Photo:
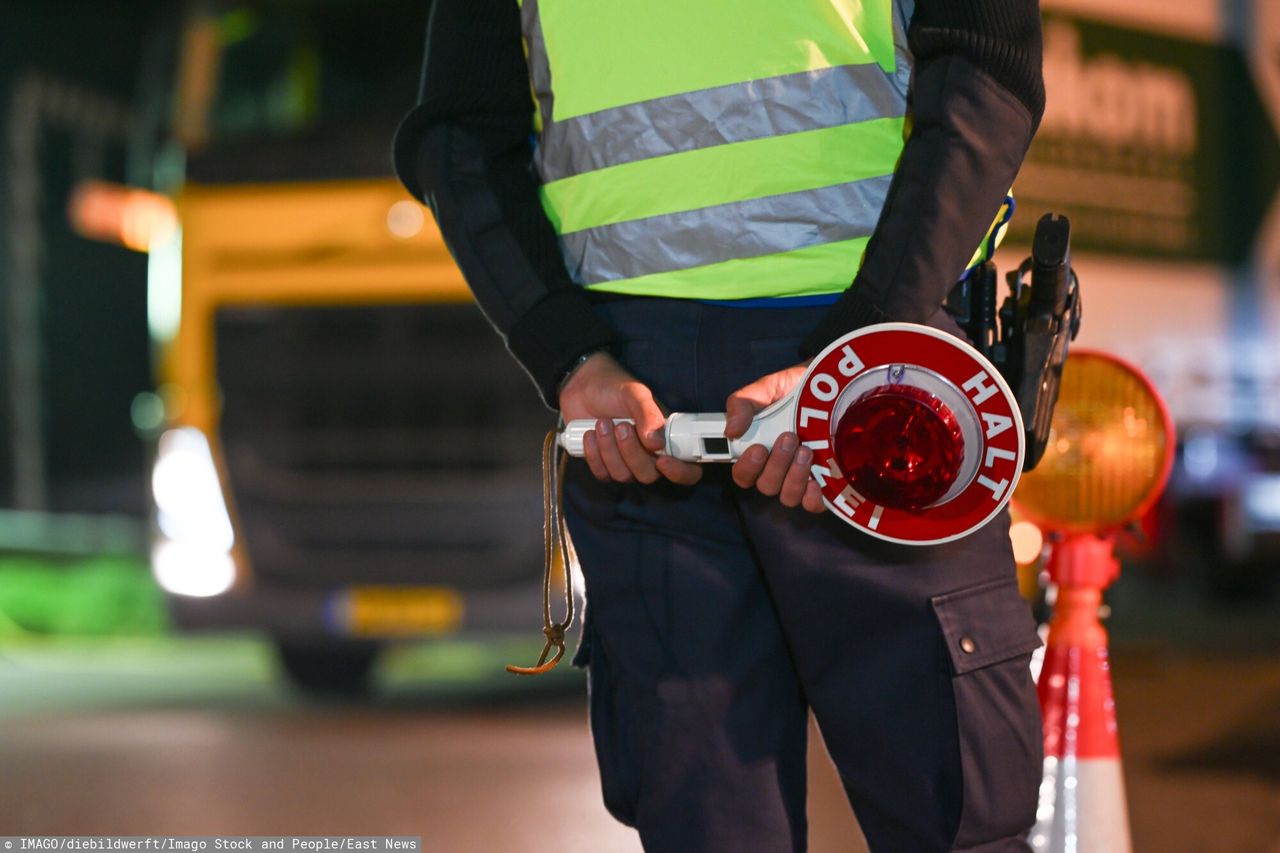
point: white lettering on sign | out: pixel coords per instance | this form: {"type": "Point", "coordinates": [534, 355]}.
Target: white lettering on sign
{"type": "Point", "coordinates": [821, 473]}
{"type": "Point", "coordinates": [875, 517]}
{"type": "Point", "coordinates": [850, 364]}
{"type": "Point", "coordinates": [981, 386]}
{"type": "Point", "coordinates": [824, 387]}
{"type": "Point", "coordinates": [996, 424]}
{"type": "Point", "coordinates": [994, 453]}
{"type": "Point", "coordinates": [842, 504]}
{"type": "Point", "coordinates": [997, 489]}
{"type": "Point", "coordinates": [1121, 104]}
{"type": "Point", "coordinates": [818, 444]}
{"type": "Point", "coordinates": [806, 413]}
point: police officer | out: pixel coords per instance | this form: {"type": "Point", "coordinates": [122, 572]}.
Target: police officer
{"type": "Point", "coordinates": [673, 204]}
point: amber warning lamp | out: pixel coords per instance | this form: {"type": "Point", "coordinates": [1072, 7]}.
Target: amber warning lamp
{"type": "Point", "coordinates": [1107, 459]}
{"type": "Point", "coordinates": [1109, 451]}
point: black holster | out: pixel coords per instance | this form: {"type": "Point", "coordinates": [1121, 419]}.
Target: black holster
{"type": "Point", "coordinates": [1027, 338]}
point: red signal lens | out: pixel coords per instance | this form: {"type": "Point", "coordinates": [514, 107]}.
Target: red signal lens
{"type": "Point", "coordinates": [899, 446]}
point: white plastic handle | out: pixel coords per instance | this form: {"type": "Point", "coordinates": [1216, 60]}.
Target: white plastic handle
{"type": "Point", "coordinates": [699, 437]}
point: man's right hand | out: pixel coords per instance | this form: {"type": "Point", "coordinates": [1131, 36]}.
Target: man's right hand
{"type": "Point", "coordinates": [602, 389]}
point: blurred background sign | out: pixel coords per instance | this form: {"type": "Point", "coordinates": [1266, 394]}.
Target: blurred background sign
{"type": "Point", "coordinates": [1154, 145]}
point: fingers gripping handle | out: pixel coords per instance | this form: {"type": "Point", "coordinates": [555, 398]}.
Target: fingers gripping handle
{"type": "Point", "coordinates": [698, 437]}
{"type": "Point", "coordinates": [574, 433]}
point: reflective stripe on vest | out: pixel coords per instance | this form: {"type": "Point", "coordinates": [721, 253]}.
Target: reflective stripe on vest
{"type": "Point", "coordinates": [717, 149]}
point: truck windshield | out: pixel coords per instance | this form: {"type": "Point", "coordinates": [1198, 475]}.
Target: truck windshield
{"type": "Point", "coordinates": [307, 91]}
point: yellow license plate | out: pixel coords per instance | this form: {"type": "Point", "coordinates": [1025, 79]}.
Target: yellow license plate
{"type": "Point", "coordinates": [397, 611]}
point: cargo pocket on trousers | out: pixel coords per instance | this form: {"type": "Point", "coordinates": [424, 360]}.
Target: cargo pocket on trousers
{"type": "Point", "coordinates": [990, 635]}
{"type": "Point", "coordinates": [612, 729]}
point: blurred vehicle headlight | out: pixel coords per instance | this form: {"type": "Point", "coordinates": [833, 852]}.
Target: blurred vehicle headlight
{"type": "Point", "coordinates": [192, 556]}
{"type": "Point", "coordinates": [1262, 503]}
{"type": "Point", "coordinates": [184, 569]}
{"type": "Point", "coordinates": [1028, 542]}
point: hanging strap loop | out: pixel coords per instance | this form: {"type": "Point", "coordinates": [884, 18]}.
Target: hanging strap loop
{"type": "Point", "coordinates": [557, 550]}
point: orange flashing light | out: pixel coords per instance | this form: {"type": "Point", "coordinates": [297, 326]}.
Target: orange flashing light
{"type": "Point", "coordinates": [134, 218]}
{"type": "Point", "coordinates": [1110, 449]}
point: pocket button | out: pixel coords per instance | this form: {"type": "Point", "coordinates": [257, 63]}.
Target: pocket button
{"type": "Point", "coordinates": [967, 645]}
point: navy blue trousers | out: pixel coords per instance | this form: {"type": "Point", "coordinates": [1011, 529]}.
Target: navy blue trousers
{"type": "Point", "coordinates": [716, 618]}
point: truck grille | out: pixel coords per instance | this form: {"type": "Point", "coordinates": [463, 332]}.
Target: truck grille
{"type": "Point", "coordinates": [389, 444]}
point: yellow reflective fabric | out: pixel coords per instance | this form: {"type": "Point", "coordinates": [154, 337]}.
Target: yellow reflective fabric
{"type": "Point", "coordinates": [723, 174]}
{"type": "Point", "coordinates": [995, 234]}
{"type": "Point", "coordinates": [607, 53]}
{"type": "Point", "coordinates": [669, 107]}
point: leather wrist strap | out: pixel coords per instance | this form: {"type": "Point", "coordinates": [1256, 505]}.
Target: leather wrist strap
{"type": "Point", "coordinates": [557, 553]}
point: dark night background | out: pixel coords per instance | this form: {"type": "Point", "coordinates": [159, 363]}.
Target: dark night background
{"type": "Point", "coordinates": [93, 312]}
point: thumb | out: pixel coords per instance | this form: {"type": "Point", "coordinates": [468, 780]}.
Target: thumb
{"type": "Point", "coordinates": [748, 400]}
{"type": "Point", "coordinates": [741, 407]}
{"type": "Point", "coordinates": [643, 409]}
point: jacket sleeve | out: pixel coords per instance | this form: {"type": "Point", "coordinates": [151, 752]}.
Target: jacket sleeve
{"type": "Point", "coordinates": [977, 97]}
{"type": "Point", "coordinates": [466, 151]}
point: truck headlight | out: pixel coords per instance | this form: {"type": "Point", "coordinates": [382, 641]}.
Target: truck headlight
{"type": "Point", "coordinates": [192, 556]}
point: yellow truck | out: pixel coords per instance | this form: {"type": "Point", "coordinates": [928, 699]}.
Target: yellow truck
{"type": "Point", "coordinates": [344, 452]}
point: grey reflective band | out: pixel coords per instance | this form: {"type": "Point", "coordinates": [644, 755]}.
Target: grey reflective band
{"type": "Point", "coordinates": [539, 72]}
{"type": "Point", "coordinates": [809, 100]}
{"type": "Point", "coordinates": [745, 229]}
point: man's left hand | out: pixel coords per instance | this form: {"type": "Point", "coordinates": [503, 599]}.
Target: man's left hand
{"type": "Point", "coordinates": [784, 471]}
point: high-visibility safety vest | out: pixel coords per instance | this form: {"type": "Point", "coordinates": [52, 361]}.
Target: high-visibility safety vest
{"type": "Point", "coordinates": [716, 149]}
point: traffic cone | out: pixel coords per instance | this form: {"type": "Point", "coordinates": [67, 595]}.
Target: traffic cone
{"type": "Point", "coordinates": [1082, 804]}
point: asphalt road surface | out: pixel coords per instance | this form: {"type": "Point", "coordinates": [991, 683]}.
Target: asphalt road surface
{"type": "Point", "coordinates": [200, 737]}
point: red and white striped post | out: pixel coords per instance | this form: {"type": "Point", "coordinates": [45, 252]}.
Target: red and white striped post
{"type": "Point", "coordinates": [1108, 459]}
{"type": "Point", "coordinates": [1082, 803]}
